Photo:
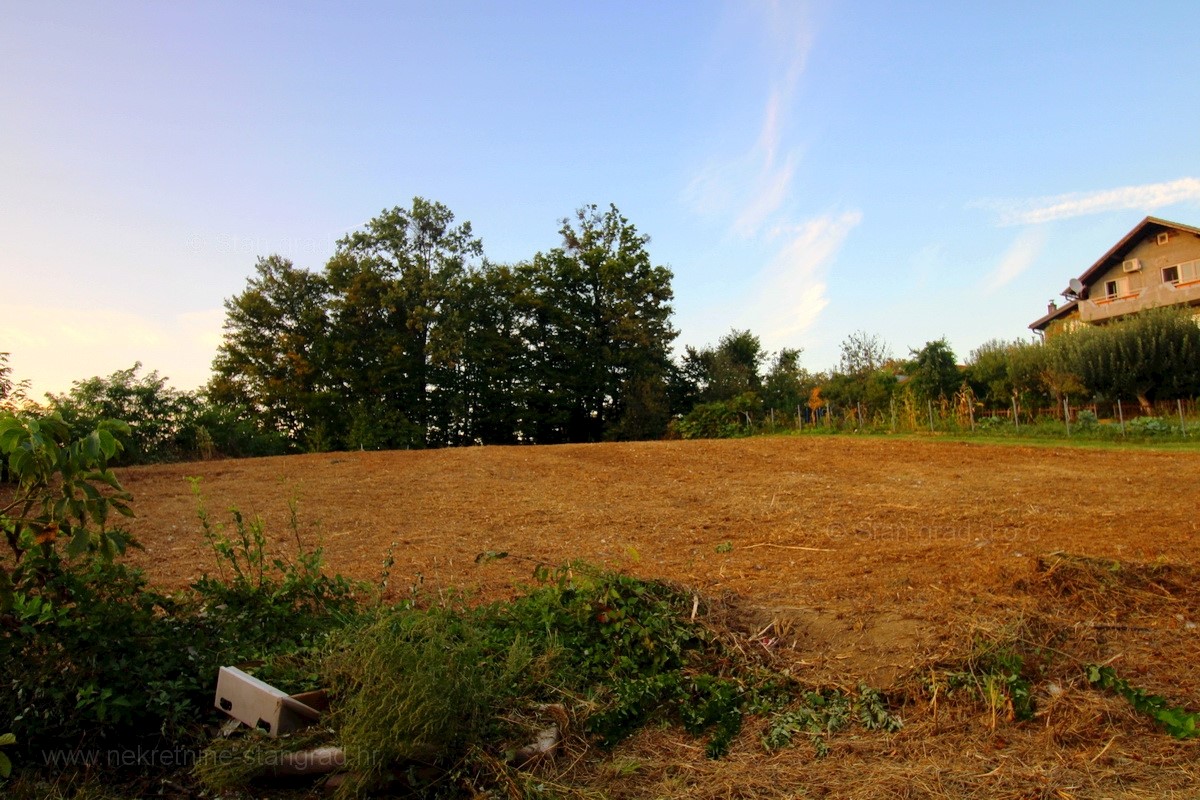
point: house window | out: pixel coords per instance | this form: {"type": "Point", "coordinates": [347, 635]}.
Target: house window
{"type": "Point", "coordinates": [1171, 274]}
{"type": "Point", "coordinates": [1110, 289]}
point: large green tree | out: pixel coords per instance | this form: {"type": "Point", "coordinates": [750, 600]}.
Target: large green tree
{"type": "Point", "coordinates": [726, 371]}
{"type": "Point", "coordinates": [394, 285]}
{"type": "Point", "coordinates": [863, 378]}
{"type": "Point", "coordinates": [274, 357]}
{"type": "Point", "coordinates": [600, 321]}
{"type": "Point", "coordinates": [933, 371]}
{"type": "Point", "coordinates": [787, 385]}
{"type": "Point", "coordinates": [487, 349]}
{"type": "Point", "coordinates": [1151, 356]}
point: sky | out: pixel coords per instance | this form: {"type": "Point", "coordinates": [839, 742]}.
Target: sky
{"type": "Point", "coordinates": [914, 170]}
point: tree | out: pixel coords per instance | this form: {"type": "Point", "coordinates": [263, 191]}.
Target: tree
{"type": "Point", "coordinates": [934, 371]}
{"type": "Point", "coordinates": [486, 338]}
{"type": "Point", "coordinates": [987, 371]}
{"type": "Point", "coordinates": [159, 417]}
{"type": "Point", "coordinates": [394, 283]}
{"type": "Point", "coordinates": [863, 380]}
{"type": "Point", "coordinates": [787, 386]}
{"type": "Point", "coordinates": [727, 371]}
{"type": "Point", "coordinates": [863, 353]}
{"type": "Point", "coordinates": [601, 326]}
{"type": "Point", "coordinates": [1153, 355]}
{"type": "Point", "coordinates": [13, 396]}
{"type": "Point", "coordinates": [273, 357]}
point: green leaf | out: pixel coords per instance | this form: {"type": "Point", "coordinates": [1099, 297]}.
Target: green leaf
{"type": "Point", "coordinates": [7, 739]}
{"type": "Point", "coordinates": [107, 442]}
{"type": "Point", "coordinates": [5, 766]}
{"type": "Point", "coordinates": [79, 543]}
{"type": "Point", "coordinates": [10, 435]}
{"type": "Point", "coordinates": [91, 446]}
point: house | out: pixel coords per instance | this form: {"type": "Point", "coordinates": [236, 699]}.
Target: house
{"type": "Point", "coordinates": [1156, 264]}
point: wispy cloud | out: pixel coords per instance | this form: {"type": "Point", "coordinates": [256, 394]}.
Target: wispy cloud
{"type": "Point", "coordinates": [1019, 256]}
{"type": "Point", "coordinates": [751, 194]}
{"type": "Point", "coordinates": [1146, 197]}
{"type": "Point", "coordinates": [791, 289]}
{"type": "Point", "coordinates": [752, 186]}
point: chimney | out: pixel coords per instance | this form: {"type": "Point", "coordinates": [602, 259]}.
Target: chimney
{"type": "Point", "coordinates": [1051, 307]}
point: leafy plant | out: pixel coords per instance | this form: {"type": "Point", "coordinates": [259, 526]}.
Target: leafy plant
{"type": "Point", "coordinates": [1177, 721]}
{"type": "Point", "coordinates": [260, 598]}
{"type": "Point", "coordinates": [822, 713]}
{"type": "Point", "coordinates": [6, 739]}
{"type": "Point", "coordinates": [64, 496]}
{"type": "Point", "coordinates": [995, 674]}
{"type": "Point", "coordinates": [1149, 426]}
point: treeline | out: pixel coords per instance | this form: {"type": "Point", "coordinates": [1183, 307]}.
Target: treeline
{"type": "Point", "coordinates": [409, 337]}
{"type": "Point", "coordinates": [1148, 358]}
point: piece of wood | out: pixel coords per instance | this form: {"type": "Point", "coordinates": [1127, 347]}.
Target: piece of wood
{"type": "Point", "coordinates": [318, 761]}
{"type": "Point", "coordinates": [790, 547]}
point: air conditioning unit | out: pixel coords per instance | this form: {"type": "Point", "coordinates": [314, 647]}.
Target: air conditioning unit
{"type": "Point", "coordinates": [1131, 265]}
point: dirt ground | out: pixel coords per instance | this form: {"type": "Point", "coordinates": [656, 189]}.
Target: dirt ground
{"type": "Point", "coordinates": [857, 543]}
{"type": "Point", "coordinates": [852, 560]}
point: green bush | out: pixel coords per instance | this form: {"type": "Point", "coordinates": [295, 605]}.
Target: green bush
{"type": "Point", "coordinates": [88, 652]}
{"type": "Point", "coordinates": [1149, 426]}
{"type": "Point", "coordinates": [719, 420]}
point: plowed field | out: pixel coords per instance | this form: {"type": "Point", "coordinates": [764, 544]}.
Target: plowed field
{"type": "Point", "coordinates": [851, 559]}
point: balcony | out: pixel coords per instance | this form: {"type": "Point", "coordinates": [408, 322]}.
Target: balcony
{"type": "Point", "coordinates": [1163, 294]}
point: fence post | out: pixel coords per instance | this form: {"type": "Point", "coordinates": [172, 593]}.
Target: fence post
{"type": "Point", "coordinates": [1016, 422]}
{"type": "Point", "coordinates": [1121, 417]}
{"type": "Point", "coordinates": [799, 420]}
{"type": "Point", "coordinates": [931, 416]}
{"type": "Point", "coordinates": [1067, 415]}
{"type": "Point", "coordinates": [1182, 425]}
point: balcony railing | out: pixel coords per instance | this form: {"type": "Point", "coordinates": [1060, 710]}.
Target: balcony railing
{"type": "Point", "coordinates": [1164, 294]}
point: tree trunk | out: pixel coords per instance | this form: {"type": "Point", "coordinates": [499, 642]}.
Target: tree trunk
{"type": "Point", "coordinates": [1144, 403]}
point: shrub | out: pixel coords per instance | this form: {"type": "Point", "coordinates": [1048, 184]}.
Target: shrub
{"type": "Point", "coordinates": [1149, 426]}
{"type": "Point", "coordinates": [88, 652]}
{"type": "Point", "coordinates": [719, 420]}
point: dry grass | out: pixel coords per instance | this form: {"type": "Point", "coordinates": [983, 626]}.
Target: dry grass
{"type": "Point", "coordinates": [840, 560]}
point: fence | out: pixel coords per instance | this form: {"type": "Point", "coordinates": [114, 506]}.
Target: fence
{"type": "Point", "coordinates": [964, 415]}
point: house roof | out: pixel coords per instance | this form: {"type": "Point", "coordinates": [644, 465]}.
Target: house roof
{"type": "Point", "coordinates": [1057, 313]}
{"type": "Point", "coordinates": [1148, 226]}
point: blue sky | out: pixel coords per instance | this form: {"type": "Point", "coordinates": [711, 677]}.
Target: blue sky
{"type": "Point", "coordinates": [915, 170]}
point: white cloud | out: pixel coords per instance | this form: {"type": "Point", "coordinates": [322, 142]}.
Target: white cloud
{"type": "Point", "coordinates": [54, 346]}
{"type": "Point", "coordinates": [754, 185]}
{"type": "Point", "coordinates": [1019, 256]}
{"type": "Point", "coordinates": [790, 291]}
{"type": "Point", "coordinates": [1146, 198]}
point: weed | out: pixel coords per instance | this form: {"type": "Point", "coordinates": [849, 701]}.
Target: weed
{"type": "Point", "coordinates": [994, 673]}
{"type": "Point", "coordinates": [1177, 721]}
{"type": "Point", "coordinates": [822, 713]}
{"type": "Point", "coordinates": [259, 599]}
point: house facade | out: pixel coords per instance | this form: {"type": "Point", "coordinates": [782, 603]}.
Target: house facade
{"type": "Point", "coordinates": [1156, 264]}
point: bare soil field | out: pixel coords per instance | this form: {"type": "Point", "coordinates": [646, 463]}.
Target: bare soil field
{"type": "Point", "coordinates": [843, 560]}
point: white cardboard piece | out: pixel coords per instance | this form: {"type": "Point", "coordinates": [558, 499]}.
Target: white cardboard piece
{"type": "Point", "coordinates": [260, 705]}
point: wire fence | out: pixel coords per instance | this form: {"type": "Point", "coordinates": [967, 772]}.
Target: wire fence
{"type": "Point", "coordinates": [965, 415]}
